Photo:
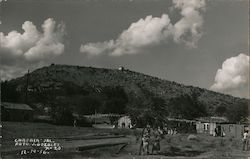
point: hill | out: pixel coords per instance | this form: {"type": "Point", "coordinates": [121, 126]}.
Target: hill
{"type": "Point", "coordinates": [78, 86]}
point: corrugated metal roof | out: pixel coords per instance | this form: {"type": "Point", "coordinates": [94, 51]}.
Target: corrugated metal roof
{"type": "Point", "coordinates": [16, 106]}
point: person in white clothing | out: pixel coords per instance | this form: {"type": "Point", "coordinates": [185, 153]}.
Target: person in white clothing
{"type": "Point", "coordinates": [245, 141]}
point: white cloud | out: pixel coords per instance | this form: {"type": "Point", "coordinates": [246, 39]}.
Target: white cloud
{"type": "Point", "coordinates": [233, 77]}
{"type": "Point", "coordinates": [152, 31]}
{"type": "Point", "coordinates": [143, 33]}
{"type": "Point", "coordinates": [97, 48]}
{"type": "Point", "coordinates": [31, 46]}
{"type": "Point", "coordinates": [191, 21]}
{"type": "Point", "coordinates": [9, 72]}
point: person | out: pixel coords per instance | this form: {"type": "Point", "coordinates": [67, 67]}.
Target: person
{"type": "Point", "coordinates": [74, 124]}
{"type": "Point", "coordinates": [160, 132]}
{"type": "Point", "coordinates": [245, 141]}
{"type": "Point", "coordinates": [156, 142]}
{"type": "Point", "coordinates": [144, 146]}
{"type": "Point", "coordinates": [223, 133]}
{"type": "Point", "coordinates": [216, 131]}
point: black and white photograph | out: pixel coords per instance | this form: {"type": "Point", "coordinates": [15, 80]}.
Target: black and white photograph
{"type": "Point", "coordinates": [125, 79]}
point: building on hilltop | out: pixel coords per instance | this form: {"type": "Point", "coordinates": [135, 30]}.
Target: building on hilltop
{"type": "Point", "coordinates": [121, 68]}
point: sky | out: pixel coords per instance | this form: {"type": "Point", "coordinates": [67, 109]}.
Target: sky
{"type": "Point", "coordinates": [203, 43]}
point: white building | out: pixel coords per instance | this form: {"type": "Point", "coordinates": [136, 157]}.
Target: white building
{"type": "Point", "coordinates": [124, 122]}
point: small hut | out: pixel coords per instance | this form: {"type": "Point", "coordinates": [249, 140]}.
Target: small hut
{"type": "Point", "coordinates": [208, 125]}
{"type": "Point", "coordinates": [124, 122]}
{"type": "Point", "coordinates": [219, 126]}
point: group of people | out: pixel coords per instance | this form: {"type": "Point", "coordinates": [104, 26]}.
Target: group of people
{"type": "Point", "coordinates": [151, 139]}
{"type": "Point", "coordinates": [218, 133]}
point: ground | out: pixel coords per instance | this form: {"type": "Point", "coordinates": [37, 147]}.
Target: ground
{"type": "Point", "coordinates": [78, 143]}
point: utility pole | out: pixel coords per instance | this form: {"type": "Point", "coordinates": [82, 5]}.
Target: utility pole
{"type": "Point", "coordinates": [27, 85]}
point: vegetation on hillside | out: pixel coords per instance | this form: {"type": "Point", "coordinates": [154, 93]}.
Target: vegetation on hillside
{"type": "Point", "coordinates": [187, 107]}
{"type": "Point", "coordinates": [86, 90]}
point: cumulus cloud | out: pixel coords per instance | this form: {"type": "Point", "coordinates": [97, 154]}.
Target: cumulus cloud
{"type": "Point", "coordinates": [152, 31]}
{"type": "Point", "coordinates": [233, 77]}
{"type": "Point", "coordinates": [97, 48]}
{"type": "Point", "coordinates": [31, 46]}
{"type": "Point", "coordinates": [191, 21]}
{"type": "Point", "coordinates": [9, 72]}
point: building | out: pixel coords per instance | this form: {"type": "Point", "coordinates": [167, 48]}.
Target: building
{"type": "Point", "coordinates": [211, 125]}
{"type": "Point", "coordinates": [124, 122]}
{"type": "Point", "coordinates": [121, 68]}
{"type": "Point", "coordinates": [208, 125]}
{"type": "Point", "coordinates": [230, 130]}
{"type": "Point", "coordinates": [16, 112]}
{"type": "Point", "coordinates": [203, 127]}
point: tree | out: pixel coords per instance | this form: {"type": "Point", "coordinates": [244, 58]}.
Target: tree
{"type": "Point", "coordinates": [9, 93]}
{"type": "Point", "coordinates": [187, 107]}
{"type": "Point", "coordinates": [158, 111]}
{"type": "Point", "coordinates": [62, 115]}
{"type": "Point", "coordinates": [237, 111]}
{"type": "Point", "coordinates": [88, 104]}
{"type": "Point", "coordinates": [115, 100]}
{"type": "Point", "coordinates": [148, 109]}
{"type": "Point", "coordinates": [221, 110]}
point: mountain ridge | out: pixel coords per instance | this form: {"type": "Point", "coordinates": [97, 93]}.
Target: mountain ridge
{"type": "Point", "coordinates": [55, 76]}
{"type": "Point", "coordinates": [144, 74]}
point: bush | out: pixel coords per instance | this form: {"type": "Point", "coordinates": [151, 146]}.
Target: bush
{"type": "Point", "coordinates": [83, 122]}
{"type": "Point", "coordinates": [63, 116]}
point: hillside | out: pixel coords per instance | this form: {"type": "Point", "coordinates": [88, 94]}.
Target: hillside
{"type": "Point", "coordinates": [60, 79]}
